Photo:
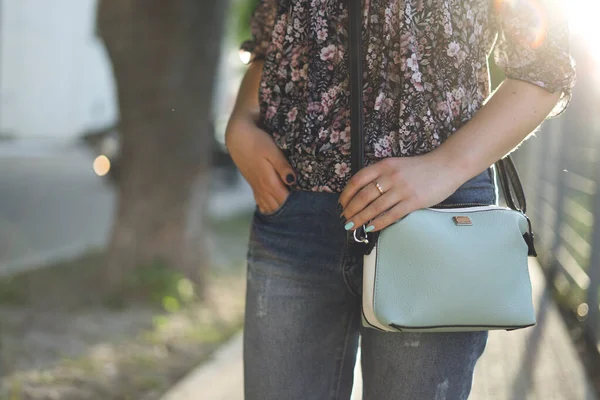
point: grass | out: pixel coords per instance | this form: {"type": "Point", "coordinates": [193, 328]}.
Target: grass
{"type": "Point", "coordinates": [146, 363]}
{"type": "Point", "coordinates": [137, 351]}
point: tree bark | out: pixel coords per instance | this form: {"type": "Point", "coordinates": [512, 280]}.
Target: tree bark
{"type": "Point", "coordinates": [165, 54]}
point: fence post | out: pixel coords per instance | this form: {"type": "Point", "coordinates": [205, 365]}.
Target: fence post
{"type": "Point", "coordinates": [542, 154]}
{"type": "Point", "coordinates": [593, 302]}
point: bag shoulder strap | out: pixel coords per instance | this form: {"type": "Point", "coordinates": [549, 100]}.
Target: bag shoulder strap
{"type": "Point", "coordinates": [357, 142]}
{"type": "Point", "coordinates": [505, 167]}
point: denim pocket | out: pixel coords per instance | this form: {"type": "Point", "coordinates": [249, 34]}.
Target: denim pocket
{"type": "Point", "coordinates": [279, 210]}
{"type": "Point", "coordinates": [479, 189]}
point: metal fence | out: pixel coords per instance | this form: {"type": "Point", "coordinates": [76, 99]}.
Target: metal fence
{"type": "Point", "coordinates": [560, 169]}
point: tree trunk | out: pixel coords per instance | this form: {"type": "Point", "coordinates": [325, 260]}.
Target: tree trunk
{"type": "Point", "coordinates": [165, 55]}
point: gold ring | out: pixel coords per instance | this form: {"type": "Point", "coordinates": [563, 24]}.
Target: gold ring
{"type": "Point", "coordinates": [379, 187]}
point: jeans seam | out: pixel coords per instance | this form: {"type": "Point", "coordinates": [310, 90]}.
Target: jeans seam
{"type": "Point", "coordinates": [345, 272]}
{"type": "Point", "coordinates": [345, 275]}
{"type": "Point", "coordinates": [341, 366]}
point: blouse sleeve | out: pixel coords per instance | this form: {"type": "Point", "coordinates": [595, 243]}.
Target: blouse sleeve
{"type": "Point", "coordinates": [533, 46]}
{"type": "Point", "coordinates": [261, 27]}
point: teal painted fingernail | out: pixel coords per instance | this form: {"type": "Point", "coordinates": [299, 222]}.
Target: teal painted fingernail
{"type": "Point", "coordinates": [369, 228]}
{"type": "Point", "coordinates": [349, 225]}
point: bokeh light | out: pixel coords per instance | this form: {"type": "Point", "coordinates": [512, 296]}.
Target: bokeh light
{"type": "Point", "coordinates": [245, 56]}
{"type": "Point", "coordinates": [101, 165]}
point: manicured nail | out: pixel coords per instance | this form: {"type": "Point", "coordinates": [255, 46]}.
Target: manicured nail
{"type": "Point", "coordinates": [370, 228]}
{"type": "Point", "coordinates": [289, 178]}
{"type": "Point", "coordinates": [349, 225]}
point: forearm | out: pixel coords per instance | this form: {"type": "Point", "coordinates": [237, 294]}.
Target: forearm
{"type": "Point", "coordinates": [514, 111]}
{"type": "Point", "coordinates": [246, 104]}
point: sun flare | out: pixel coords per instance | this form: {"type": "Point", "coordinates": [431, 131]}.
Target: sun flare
{"type": "Point", "coordinates": [583, 23]}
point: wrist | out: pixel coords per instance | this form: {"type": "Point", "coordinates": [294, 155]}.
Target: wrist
{"type": "Point", "coordinates": [456, 165]}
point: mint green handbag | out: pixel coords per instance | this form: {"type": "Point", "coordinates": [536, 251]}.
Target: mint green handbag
{"type": "Point", "coordinates": [444, 268]}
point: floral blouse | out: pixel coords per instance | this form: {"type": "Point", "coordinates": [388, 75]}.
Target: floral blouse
{"type": "Point", "coordinates": [425, 66]}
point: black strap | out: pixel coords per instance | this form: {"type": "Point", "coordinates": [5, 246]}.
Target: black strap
{"type": "Point", "coordinates": [356, 85]}
{"type": "Point", "coordinates": [507, 172]}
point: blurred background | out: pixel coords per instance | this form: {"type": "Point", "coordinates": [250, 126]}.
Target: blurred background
{"type": "Point", "coordinates": [123, 222]}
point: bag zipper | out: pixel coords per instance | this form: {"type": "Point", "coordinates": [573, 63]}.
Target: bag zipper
{"type": "Point", "coordinates": [460, 205]}
{"type": "Point", "coordinates": [475, 207]}
{"type": "Point", "coordinates": [468, 207]}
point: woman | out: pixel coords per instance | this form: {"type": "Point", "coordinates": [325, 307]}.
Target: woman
{"type": "Point", "coordinates": [429, 139]}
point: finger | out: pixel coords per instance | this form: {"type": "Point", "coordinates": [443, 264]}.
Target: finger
{"type": "Point", "coordinates": [380, 206]}
{"type": "Point", "coordinates": [279, 192]}
{"type": "Point", "coordinates": [282, 166]}
{"type": "Point", "coordinates": [268, 203]}
{"type": "Point", "coordinates": [272, 189]}
{"type": "Point", "coordinates": [270, 182]}
{"type": "Point", "coordinates": [360, 180]}
{"type": "Point", "coordinates": [396, 213]}
{"type": "Point", "coordinates": [366, 196]}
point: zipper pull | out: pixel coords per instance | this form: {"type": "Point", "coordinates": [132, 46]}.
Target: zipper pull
{"type": "Point", "coordinates": [529, 238]}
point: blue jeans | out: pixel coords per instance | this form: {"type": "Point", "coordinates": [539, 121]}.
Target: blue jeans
{"type": "Point", "coordinates": [303, 314]}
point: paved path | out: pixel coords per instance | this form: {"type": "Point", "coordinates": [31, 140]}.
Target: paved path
{"type": "Point", "coordinates": [53, 206]}
{"type": "Point", "coordinates": [539, 363]}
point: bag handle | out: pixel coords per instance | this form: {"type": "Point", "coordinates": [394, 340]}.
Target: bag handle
{"type": "Point", "coordinates": [507, 172]}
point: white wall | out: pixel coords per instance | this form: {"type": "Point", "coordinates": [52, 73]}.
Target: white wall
{"type": "Point", "coordinates": [55, 76]}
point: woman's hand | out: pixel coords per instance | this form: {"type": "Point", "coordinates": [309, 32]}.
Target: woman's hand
{"type": "Point", "coordinates": [260, 161]}
{"type": "Point", "coordinates": [408, 184]}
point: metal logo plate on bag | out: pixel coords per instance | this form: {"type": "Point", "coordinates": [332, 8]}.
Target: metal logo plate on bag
{"type": "Point", "coordinates": [462, 220]}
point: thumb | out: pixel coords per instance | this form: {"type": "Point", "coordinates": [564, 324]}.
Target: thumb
{"type": "Point", "coordinates": [283, 167]}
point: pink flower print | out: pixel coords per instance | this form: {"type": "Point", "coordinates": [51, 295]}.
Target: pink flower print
{"type": "Point", "coordinates": [292, 114]}
{"type": "Point", "coordinates": [416, 77]}
{"type": "Point", "coordinates": [403, 63]}
{"type": "Point", "coordinates": [453, 49]}
{"type": "Point", "coordinates": [322, 134]}
{"type": "Point", "coordinates": [345, 134]}
{"type": "Point", "coordinates": [334, 137]}
{"type": "Point", "coordinates": [295, 75]}
{"type": "Point", "coordinates": [345, 149]}
{"type": "Point", "coordinates": [379, 100]}
{"type": "Point", "coordinates": [265, 93]}
{"type": "Point", "coordinates": [341, 169]}
{"type": "Point", "coordinates": [278, 28]}
{"type": "Point", "coordinates": [448, 29]}
{"type": "Point", "coordinates": [340, 53]}
{"type": "Point", "coordinates": [314, 107]}
{"type": "Point", "coordinates": [322, 34]}
{"type": "Point", "coordinates": [304, 71]}
{"type": "Point", "coordinates": [388, 104]}
{"type": "Point", "coordinates": [328, 53]}
{"type": "Point", "coordinates": [418, 86]}
{"type": "Point", "coordinates": [271, 111]}
{"type": "Point", "coordinates": [405, 40]}
{"type": "Point", "coordinates": [461, 56]}
{"type": "Point", "coordinates": [412, 62]}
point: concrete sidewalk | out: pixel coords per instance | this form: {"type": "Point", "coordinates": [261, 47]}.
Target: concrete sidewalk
{"type": "Point", "coordinates": [539, 363]}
